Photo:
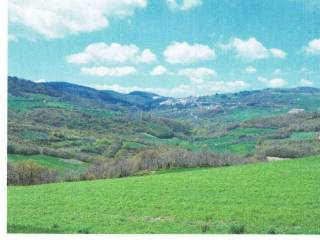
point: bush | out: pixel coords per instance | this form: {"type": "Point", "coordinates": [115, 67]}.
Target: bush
{"type": "Point", "coordinates": [23, 149]}
{"type": "Point", "coordinates": [84, 231]}
{"type": "Point", "coordinates": [124, 165]}
{"type": "Point", "coordinates": [57, 153]}
{"type": "Point", "coordinates": [205, 228]}
{"type": "Point", "coordinates": [237, 228]}
{"type": "Point", "coordinates": [113, 169]}
{"type": "Point", "coordinates": [29, 173]}
{"type": "Point", "coordinates": [154, 159]}
{"type": "Point", "coordinates": [71, 177]}
{"type": "Point", "coordinates": [290, 149]}
{"type": "Point", "coordinates": [271, 231]}
{"type": "Point", "coordinates": [88, 175]}
{"type": "Point", "coordinates": [281, 134]}
{"type": "Point", "coordinates": [60, 153]}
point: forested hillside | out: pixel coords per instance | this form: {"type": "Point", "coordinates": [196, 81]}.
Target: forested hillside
{"type": "Point", "coordinates": [70, 132]}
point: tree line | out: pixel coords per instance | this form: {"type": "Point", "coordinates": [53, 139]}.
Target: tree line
{"type": "Point", "coordinates": [29, 172]}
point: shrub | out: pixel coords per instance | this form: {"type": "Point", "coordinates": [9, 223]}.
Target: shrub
{"type": "Point", "coordinates": [290, 149]}
{"type": "Point", "coordinates": [153, 159]}
{"type": "Point", "coordinates": [57, 153]}
{"type": "Point", "coordinates": [23, 149]}
{"type": "Point", "coordinates": [123, 165]}
{"type": "Point", "coordinates": [205, 228]}
{"type": "Point", "coordinates": [112, 169]}
{"type": "Point", "coordinates": [88, 175]}
{"type": "Point", "coordinates": [271, 231]}
{"type": "Point", "coordinates": [84, 231]}
{"type": "Point", "coordinates": [237, 228]}
{"type": "Point", "coordinates": [70, 176]}
{"type": "Point", "coordinates": [29, 173]}
{"type": "Point", "coordinates": [67, 154]}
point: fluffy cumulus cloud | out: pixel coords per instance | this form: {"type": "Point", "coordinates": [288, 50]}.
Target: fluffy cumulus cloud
{"type": "Point", "coordinates": [183, 90]}
{"type": "Point", "coordinates": [252, 49]}
{"type": "Point", "coordinates": [57, 18]}
{"type": "Point", "coordinates": [305, 82]}
{"type": "Point", "coordinates": [110, 72]}
{"type": "Point", "coordinates": [278, 53]}
{"type": "Point", "coordinates": [197, 75]}
{"type": "Point", "coordinates": [250, 70]}
{"type": "Point", "coordinates": [185, 53]}
{"type": "Point", "coordinates": [313, 47]}
{"type": "Point", "coordinates": [158, 70]}
{"type": "Point", "coordinates": [113, 53]}
{"type": "Point", "coordinates": [147, 56]}
{"type": "Point", "coordinates": [183, 5]}
{"type": "Point", "coordinates": [273, 83]}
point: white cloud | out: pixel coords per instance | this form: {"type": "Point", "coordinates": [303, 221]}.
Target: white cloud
{"type": "Point", "coordinates": [147, 56]}
{"type": "Point", "coordinates": [57, 18]}
{"type": "Point", "coordinates": [197, 80]}
{"type": "Point", "coordinates": [183, 5]}
{"type": "Point", "coordinates": [273, 83]}
{"type": "Point", "coordinates": [277, 82]}
{"type": "Point", "coordinates": [197, 75]}
{"type": "Point", "coordinates": [278, 53]}
{"type": "Point", "coordinates": [277, 71]}
{"type": "Point", "coordinates": [183, 90]}
{"type": "Point", "coordinates": [117, 88]}
{"type": "Point", "coordinates": [251, 49]}
{"type": "Point", "coordinates": [41, 80]}
{"type": "Point", "coordinates": [111, 72]}
{"type": "Point", "coordinates": [184, 53]}
{"type": "Point", "coordinates": [158, 70]}
{"type": "Point", "coordinates": [250, 70]}
{"type": "Point", "coordinates": [305, 82]}
{"type": "Point", "coordinates": [313, 47]}
{"type": "Point", "coordinates": [113, 53]}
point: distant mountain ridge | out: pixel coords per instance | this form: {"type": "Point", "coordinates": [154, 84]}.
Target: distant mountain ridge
{"type": "Point", "coordinates": [78, 94]}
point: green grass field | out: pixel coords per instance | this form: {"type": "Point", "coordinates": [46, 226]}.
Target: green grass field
{"type": "Point", "coordinates": [239, 141]}
{"type": "Point", "coordinates": [24, 104]}
{"type": "Point", "coordinates": [51, 162]}
{"type": "Point", "coordinates": [274, 197]}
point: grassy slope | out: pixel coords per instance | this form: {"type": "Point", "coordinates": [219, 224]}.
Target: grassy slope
{"type": "Point", "coordinates": [231, 142]}
{"type": "Point", "coordinates": [34, 101]}
{"type": "Point", "coordinates": [51, 162]}
{"type": "Point", "coordinates": [77, 134]}
{"type": "Point", "coordinates": [281, 197]}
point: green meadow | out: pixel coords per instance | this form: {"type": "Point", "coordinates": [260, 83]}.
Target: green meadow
{"type": "Point", "coordinates": [272, 197]}
{"type": "Point", "coordinates": [59, 164]}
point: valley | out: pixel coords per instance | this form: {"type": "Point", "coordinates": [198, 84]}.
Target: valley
{"type": "Point", "coordinates": [68, 121]}
{"type": "Point", "coordinates": [195, 165]}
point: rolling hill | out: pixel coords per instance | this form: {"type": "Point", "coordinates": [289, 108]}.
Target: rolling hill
{"type": "Point", "coordinates": [67, 122]}
{"type": "Point", "coordinates": [81, 95]}
{"type": "Point", "coordinates": [269, 98]}
{"type": "Point", "coordinates": [266, 198]}
{"type": "Point", "coordinates": [158, 151]}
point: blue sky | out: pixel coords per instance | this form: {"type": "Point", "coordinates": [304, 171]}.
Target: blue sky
{"type": "Point", "coordinates": [171, 47]}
